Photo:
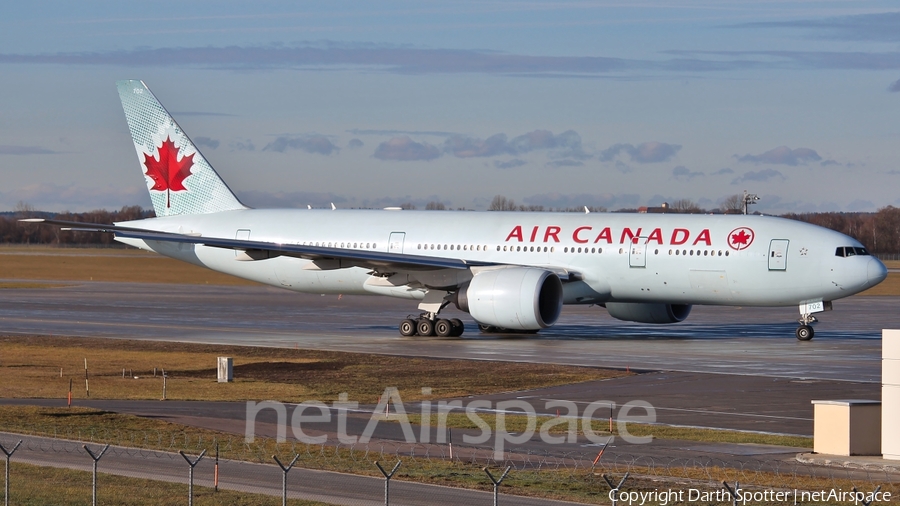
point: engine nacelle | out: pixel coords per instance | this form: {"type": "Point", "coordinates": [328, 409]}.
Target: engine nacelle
{"type": "Point", "coordinates": [648, 313]}
{"type": "Point", "coordinates": [516, 298]}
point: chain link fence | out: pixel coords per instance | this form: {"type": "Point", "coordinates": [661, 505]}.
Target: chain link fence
{"type": "Point", "coordinates": [261, 467]}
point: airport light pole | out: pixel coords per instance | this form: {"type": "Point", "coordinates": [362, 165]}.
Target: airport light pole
{"type": "Point", "coordinates": [749, 199]}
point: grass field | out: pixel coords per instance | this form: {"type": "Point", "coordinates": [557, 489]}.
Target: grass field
{"type": "Point", "coordinates": [30, 368]}
{"type": "Point", "coordinates": [551, 481]}
{"type": "Point", "coordinates": [114, 265]}
{"type": "Point", "coordinates": [39, 486]}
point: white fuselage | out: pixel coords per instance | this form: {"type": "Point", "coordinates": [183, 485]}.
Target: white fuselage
{"type": "Point", "coordinates": [617, 257]}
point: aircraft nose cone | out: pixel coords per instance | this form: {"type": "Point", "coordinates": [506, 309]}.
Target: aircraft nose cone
{"type": "Point", "coordinates": [877, 272]}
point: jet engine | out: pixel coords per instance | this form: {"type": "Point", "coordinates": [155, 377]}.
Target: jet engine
{"type": "Point", "coordinates": [648, 313]}
{"type": "Point", "coordinates": [515, 298]}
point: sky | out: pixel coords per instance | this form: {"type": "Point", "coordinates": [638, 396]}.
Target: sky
{"type": "Point", "coordinates": [375, 104]}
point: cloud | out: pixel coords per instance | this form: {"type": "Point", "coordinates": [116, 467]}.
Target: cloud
{"type": "Point", "coordinates": [358, 131]}
{"type": "Point", "coordinates": [564, 163]}
{"type": "Point", "coordinates": [317, 144]}
{"type": "Point", "coordinates": [243, 145]}
{"type": "Point", "coordinates": [720, 172]}
{"type": "Point", "coordinates": [564, 145]}
{"type": "Point", "coordinates": [759, 176]}
{"type": "Point", "coordinates": [782, 155]}
{"type": "Point", "coordinates": [405, 149]}
{"type": "Point", "coordinates": [861, 205]}
{"type": "Point", "coordinates": [406, 60]}
{"type": "Point", "coordinates": [682, 173]}
{"type": "Point", "coordinates": [893, 172]}
{"type": "Point", "coordinates": [826, 163]}
{"type": "Point", "coordinates": [511, 164]}
{"type": "Point", "coordinates": [623, 167]}
{"type": "Point", "coordinates": [206, 141]}
{"type": "Point", "coordinates": [467, 147]}
{"type": "Point", "coordinates": [878, 27]}
{"type": "Point", "coordinates": [355, 144]}
{"type": "Point", "coordinates": [409, 60]}
{"type": "Point", "coordinates": [822, 60]}
{"type": "Point", "coordinates": [895, 87]}
{"type": "Point", "coordinates": [647, 152]}
{"type": "Point", "coordinates": [25, 150]}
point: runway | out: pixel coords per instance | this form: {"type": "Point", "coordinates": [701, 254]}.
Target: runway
{"type": "Point", "coordinates": [742, 341]}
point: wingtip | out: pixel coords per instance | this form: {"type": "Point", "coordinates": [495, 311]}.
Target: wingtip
{"type": "Point", "coordinates": [32, 220]}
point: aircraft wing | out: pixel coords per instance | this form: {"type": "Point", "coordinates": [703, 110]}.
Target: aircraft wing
{"type": "Point", "coordinates": [258, 250]}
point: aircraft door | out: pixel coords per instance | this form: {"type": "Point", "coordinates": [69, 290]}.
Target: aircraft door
{"type": "Point", "coordinates": [637, 253]}
{"type": "Point", "coordinates": [395, 244]}
{"type": "Point", "coordinates": [778, 249]}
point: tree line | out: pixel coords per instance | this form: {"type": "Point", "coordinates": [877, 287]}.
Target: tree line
{"type": "Point", "coordinates": [13, 232]}
{"type": "Point", "coordinates": [879, 232]}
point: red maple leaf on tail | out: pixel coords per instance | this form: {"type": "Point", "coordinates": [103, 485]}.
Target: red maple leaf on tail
{"type": "Point", "coordinates": [168, 173]}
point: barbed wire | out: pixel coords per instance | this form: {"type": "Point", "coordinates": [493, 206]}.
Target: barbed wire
{"type": "Point", "coordinates": [581, 470]}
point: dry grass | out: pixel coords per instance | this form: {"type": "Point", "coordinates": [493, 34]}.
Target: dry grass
{"type": "Point", "coordinates": [25, 285]}
{"type": "Point", "coordinates": [30, 368]}
{"type": "Point", "coordinates": [579, 484]}
{"type": "Point", "coordinates": [36, 485]}
{"type": "Point", "coordinates": [114, 265]}
{"type": "Point", "coordinates": [562, 425]}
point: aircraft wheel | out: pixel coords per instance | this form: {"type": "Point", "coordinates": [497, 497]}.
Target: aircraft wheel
{"type": "Point", "coordinates": [425, 327]}
{"type": "Point", "coordinates": [805, 333]}
{"type": "Point", "coordinates": [487, 329]}
{"type": "Point", "coordinates": [408, 328]}
{"type": "Point", "coordinates": [458, 327]}
{"type": "Point", "coordinates": [443, 328]}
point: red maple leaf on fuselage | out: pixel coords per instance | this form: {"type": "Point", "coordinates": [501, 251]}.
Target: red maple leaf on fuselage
{"type": "Point", "coordinates": [740, 238]}
{"type": "Point", "coordinates": [168, 173]}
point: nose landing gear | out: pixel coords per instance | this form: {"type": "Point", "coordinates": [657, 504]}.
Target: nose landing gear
{"type": "Point", "coordinates": [805, 331]}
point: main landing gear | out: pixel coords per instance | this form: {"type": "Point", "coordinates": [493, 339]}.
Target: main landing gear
{"type": "Point", "coordinates": [426, 327]}
{"type": "Point", "coordinates": [428, 323]}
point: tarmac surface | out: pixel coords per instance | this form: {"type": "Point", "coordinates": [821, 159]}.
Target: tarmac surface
{"type": "Point", "coordinates": [728, 368]}
{"type": "Point", "coordinates": [728, 340]}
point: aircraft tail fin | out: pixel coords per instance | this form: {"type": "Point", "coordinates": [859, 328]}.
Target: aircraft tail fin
{"type": "Point", "coordinates": [179, 178]}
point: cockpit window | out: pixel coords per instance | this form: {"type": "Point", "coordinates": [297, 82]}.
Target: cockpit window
{"type": "Point", "coordinates": [849, 251]}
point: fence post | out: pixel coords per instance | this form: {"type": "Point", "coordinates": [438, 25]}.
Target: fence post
{"type": "Point", "coordinates": [496, 482]}
{"type": "Point", "coordinates": [96, 458]}
{"type": "Point", "coordinates": [8, 454]}
{"type": "Point", "coordinates": [284, 476]}
{"type": "Point", "coordinates": [614, 489]}
{"type": "Point", "coordinates": [733, 492]}
{"type": "Point", "coordinates": [874, 495]}
{"type": "Point", "coordinates": [191, 473]}
{"type": "Point", "coordinates": [387, 480]}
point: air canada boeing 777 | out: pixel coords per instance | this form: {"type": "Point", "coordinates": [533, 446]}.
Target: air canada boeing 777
{"type": "Point", "coordinates": [509, 271]}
